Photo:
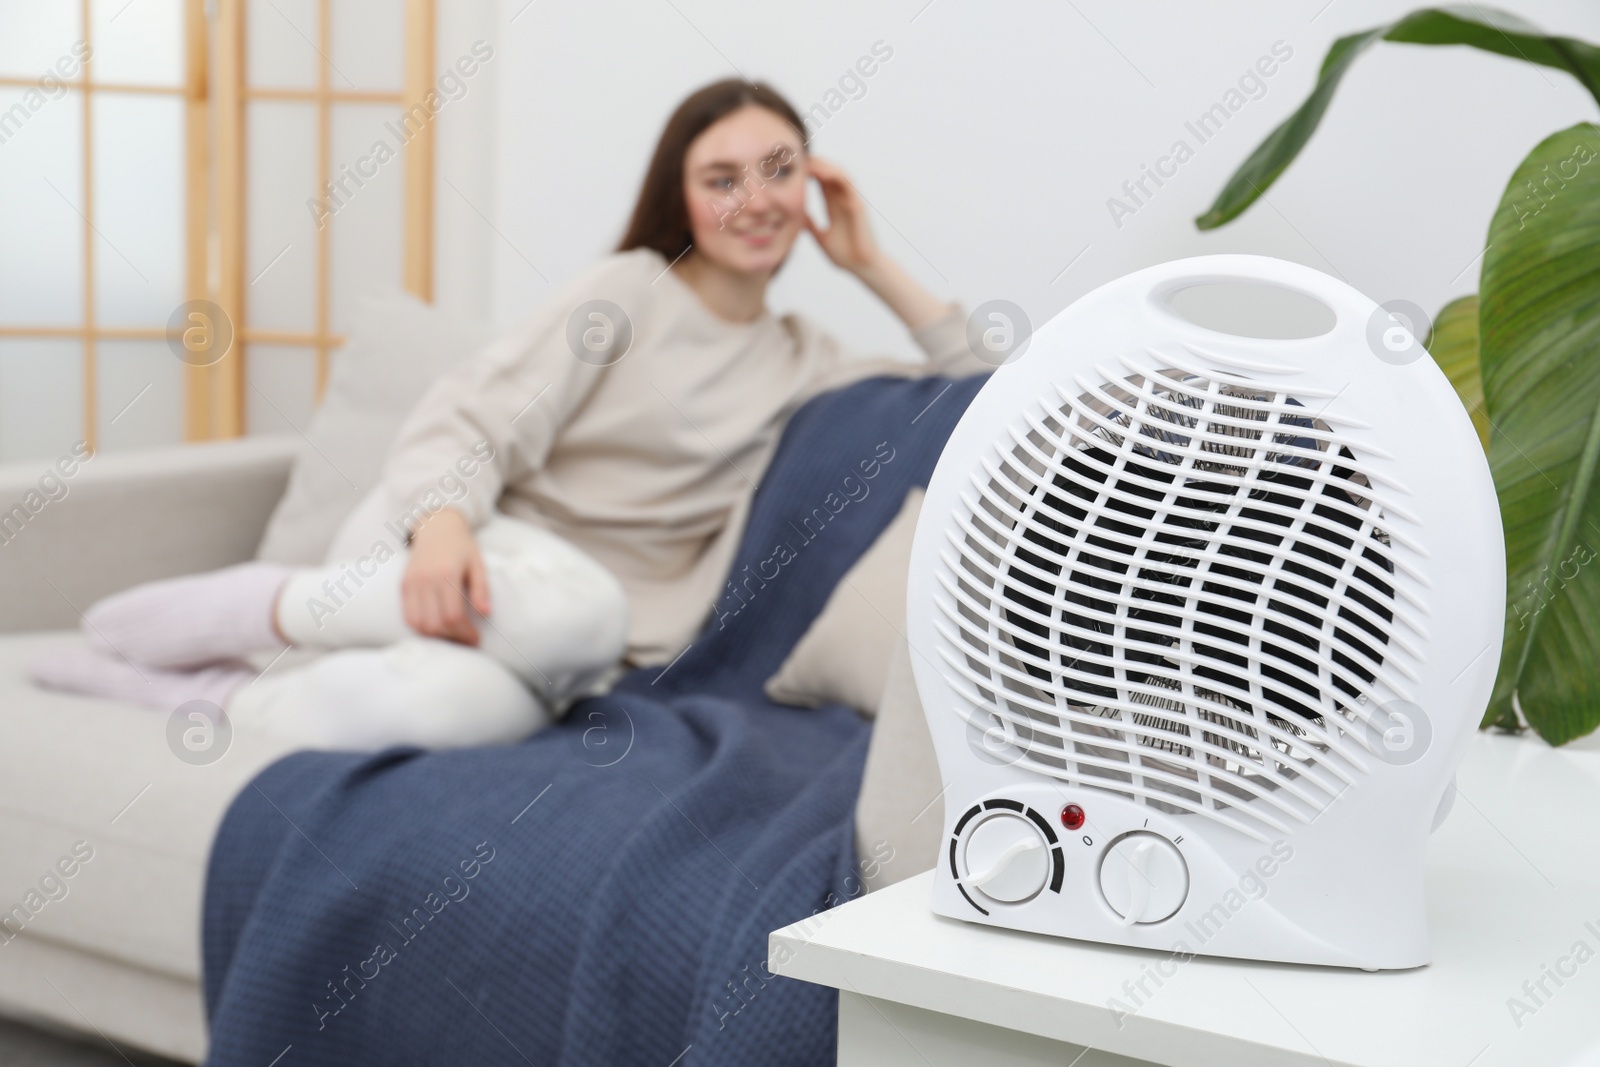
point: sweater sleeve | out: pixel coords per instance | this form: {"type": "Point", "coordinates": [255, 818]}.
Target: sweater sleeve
{"type": "Point", "coordinates": [485, 424]}
{"type": "Point", "coordinates": [490, 424]}
{"type": "Point", "coordinates": [943, 342]}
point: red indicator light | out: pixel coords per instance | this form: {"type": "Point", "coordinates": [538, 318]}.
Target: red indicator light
{"type": "Point", "coordinates": [1072, 817]}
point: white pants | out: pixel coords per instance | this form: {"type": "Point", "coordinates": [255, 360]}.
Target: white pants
{"type": "Point", "coordinates": [557, 629]}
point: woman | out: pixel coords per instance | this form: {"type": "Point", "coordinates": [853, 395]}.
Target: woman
{"type": "Point", "coordinates": [615, 441]}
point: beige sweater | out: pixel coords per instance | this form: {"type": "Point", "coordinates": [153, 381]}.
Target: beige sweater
{"type": "Point", "coordinates": [648, 464]}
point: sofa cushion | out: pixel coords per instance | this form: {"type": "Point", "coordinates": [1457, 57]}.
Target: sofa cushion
{"type": "Point", "coordinates": [900, 813]}
{"type": "Point", "coordinates": [91, 786]}
{"type": "Point", "coordinates": [844, 656]}
{"type": "Point", "coordinates": [174, 511]}
{"type": "Point", "coordinates": [397, 348]}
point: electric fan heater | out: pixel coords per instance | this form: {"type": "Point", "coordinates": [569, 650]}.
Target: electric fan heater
{"type": "Point", "coordinates": [1202, 625]}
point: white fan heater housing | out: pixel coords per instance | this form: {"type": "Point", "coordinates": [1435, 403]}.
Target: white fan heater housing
{"type": "Point", "coordinates": [1202, 625]}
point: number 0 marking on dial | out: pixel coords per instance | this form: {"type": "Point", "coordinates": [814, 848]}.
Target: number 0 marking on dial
{"type": "Point", "coordinates": [1087, 840]}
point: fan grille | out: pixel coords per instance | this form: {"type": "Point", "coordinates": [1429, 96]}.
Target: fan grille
{"type": "Point", "coordinates": [1179, 589]}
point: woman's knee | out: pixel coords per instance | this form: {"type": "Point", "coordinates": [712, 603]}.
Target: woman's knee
{"type": "Point", "coordinates": [452, 695]}
{"type": "Point", "coordinates": [421, 691]}
{"type": "Point", "coordinates": [558, 615]}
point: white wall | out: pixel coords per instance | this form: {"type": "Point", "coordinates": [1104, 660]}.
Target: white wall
{"type": "Point", "coordinates": [992, 139]}
{"type": "Point", "coordinates": [464, 254]}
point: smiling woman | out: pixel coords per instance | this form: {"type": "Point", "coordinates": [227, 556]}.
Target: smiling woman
{"type": "Point", "coordinates": [715, 182]}
{"type": "Point", "coordinates": [600, 525]}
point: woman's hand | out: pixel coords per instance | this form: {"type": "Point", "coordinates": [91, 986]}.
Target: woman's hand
{"type": "Point", "coordinates": [848, 240]}
{"type": "Point", "coordinates": [849, 243]}
{"type": "Point", "coordinates": [444, 574]}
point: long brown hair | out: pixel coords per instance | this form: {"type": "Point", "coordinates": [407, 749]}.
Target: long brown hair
{"type": "Point", "coordinates": [661, 215]}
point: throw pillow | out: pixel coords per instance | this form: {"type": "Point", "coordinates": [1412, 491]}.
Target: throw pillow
{"type": "Point", "coordinates": [398, 346]}
{"type": "Point", "coordinates": [900, 814]}
{"type": "Point", "coordinates": [844, 656]}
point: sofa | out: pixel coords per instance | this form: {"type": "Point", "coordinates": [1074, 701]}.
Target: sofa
{"type": "Point", "coordinates": [106, 820]}
{"type": "Point", "coordinates": [92, 786]}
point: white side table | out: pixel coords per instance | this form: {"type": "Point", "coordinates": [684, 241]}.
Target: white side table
{"type": "Point", "coordinates": [1514, 908]}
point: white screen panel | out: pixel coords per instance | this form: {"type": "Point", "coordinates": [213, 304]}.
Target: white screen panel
{"type": "Point", "coordinates": [368, 228]}
{"type": "Point", "coordinates": [280, 48]}
{"type": "Point", "coordinates": [41, 398]}
{"type": "Point", "coordinates": [34, 36]}
{"type": "Point", "coordinates": [280, 389]}
{"type": "Point", "coordinates": [281, 245]}
{"type": "Point", "coordinates": [139, 208]}
{"type": "Point", "coordinates": [139, 395]}
{"type": "Point", "coordinates": [368, 45]}
{"type": "Point", "coordinates": [41, 193]}
{"type": "Point", "coordinates": [137, 42]}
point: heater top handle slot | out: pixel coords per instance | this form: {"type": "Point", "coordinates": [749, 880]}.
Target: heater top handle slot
{"type": "Point", "coordinates": [1256, 302]}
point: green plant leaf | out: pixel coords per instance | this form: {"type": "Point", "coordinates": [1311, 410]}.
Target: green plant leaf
{"type": "Point", "coordinates": [1539, 330]}
{"type": "Point", "coordinates": [1474, 26]}
{"type": "Point", "coordinates": [1454, 346]}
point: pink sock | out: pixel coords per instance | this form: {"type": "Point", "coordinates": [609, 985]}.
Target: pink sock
{"type": "Point", "coordinates": [77, 670]}
{"type": "Point", "coordinates": [190, 621]}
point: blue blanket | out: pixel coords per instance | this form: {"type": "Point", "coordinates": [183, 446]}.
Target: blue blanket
{"type": "Point", "coordinates": [601, 893]}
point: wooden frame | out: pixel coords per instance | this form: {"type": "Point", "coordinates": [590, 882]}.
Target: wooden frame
{"type": "Point", "coordinates": [233, 94]}
{"type": "Point", "coordinates": [88, 332]}
{"type": "Point", "coordinates": [420, 44]}
{"type": "Point", "coordinates": [224, 391]}
{"type": "Point", "coordinates": [198, 382]}
{"type": "Point", "coordinates": [215, 91]}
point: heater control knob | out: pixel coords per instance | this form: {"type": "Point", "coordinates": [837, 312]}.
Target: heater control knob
{"type": "Point", "coordinates": [1143, 877]}
{"type": "Point", "coordinates": [1006, 858]}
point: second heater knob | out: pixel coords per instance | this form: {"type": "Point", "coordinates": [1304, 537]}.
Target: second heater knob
{"type": "Point", "coordinates": [1143, 877]}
